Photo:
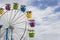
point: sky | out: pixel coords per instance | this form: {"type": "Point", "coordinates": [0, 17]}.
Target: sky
{"type": "Point", "coordinates": [47, 16]}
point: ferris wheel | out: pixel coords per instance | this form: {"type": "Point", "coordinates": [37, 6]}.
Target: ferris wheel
{"type": "Point", "coordinates": [13, 22]}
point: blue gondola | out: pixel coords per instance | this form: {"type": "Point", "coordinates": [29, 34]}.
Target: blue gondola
{"type": "Point", "coordinates": [23, 8]}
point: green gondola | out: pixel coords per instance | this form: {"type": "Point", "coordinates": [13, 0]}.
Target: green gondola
{"type": "Point", "coordinates": [31, 35]}
{"type": "Point", "coordinates": [15, 6]}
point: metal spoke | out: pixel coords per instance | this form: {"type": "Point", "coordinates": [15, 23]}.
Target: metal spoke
{"type": "Point", "coordinates": [7, 16]}
{"type": "Point", "coordinates": [20, 28]}
{"type": "Point", "coordinates": [24, 31]}
{"type": "Point", "coordinates": [18, 18]}
{"type": "Point", "coordinates": [19, 22]}
{"type": "Point", "coordinates": [11, 34]}
{"type": "Point", "coordinates": [2, 33]}
{"type": "Point", "coordinates": [11, 14]}
{"type": "Point", "coordinates": [15, 15]}
{"type": "Point", "coordinates": [17, 33]}
{"type": "Point", "coordinates": [23, 28]}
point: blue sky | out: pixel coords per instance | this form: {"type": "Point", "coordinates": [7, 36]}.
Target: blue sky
{"type": "Point", "coordinates": [43, 4]}
{"type": "Point", "coordinates": [57, 9]}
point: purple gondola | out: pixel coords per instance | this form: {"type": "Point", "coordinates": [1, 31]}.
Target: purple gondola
{"type": "Point", "coordinates": [32, 23]}
{"type": "Point", "coordinates": [8, 7]}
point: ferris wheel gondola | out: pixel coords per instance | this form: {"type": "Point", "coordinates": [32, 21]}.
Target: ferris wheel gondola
{"type": "Point", "coordinates": [8, 7]}
{"type": "Point", "coordinates": [23, 8]}
{"type": "Point", "coordinates": [29, 14]}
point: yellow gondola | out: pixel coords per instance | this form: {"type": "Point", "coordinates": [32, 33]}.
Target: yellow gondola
{"type": "Point", "coordinates": [29, 14]}
{"type": "Point", "coordinates": [1, 10]}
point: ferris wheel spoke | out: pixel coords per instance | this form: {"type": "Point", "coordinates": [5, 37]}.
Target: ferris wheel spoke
{"type": "Point", "coordinates": [24, 31]}
{"type": "Point", "coordinates": [20, 28]}
{"type": "Point", "coordinates": [19, 22]}
{"type": "Point", "coordinates": [11, 14]}
{"type": "Point", "coordinates": [18, 17]}
{"type": "Point", "coordinates": [14, 36]}
{"type": "Point", "coordinates": [23, 34]}
{"type": "Point", "coordinates": [17, 33]}
{"type": "Point", "coordinates": [2, 30]}
{"type": "Point", "coordinates": [15, 15]}
{"type": "Point", "coordinates": [7, 16]}
{"type": "Point", "coordinates": [23, 28]}
{"type": "Point", "coordinates": [3, 33]}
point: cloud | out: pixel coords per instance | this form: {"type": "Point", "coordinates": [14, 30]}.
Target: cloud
{"type": "Point", "coordinates": [43, 4]}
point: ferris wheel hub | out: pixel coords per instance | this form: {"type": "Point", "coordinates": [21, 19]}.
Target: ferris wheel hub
{"type": "Point", "coordinates": [11, 26]}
